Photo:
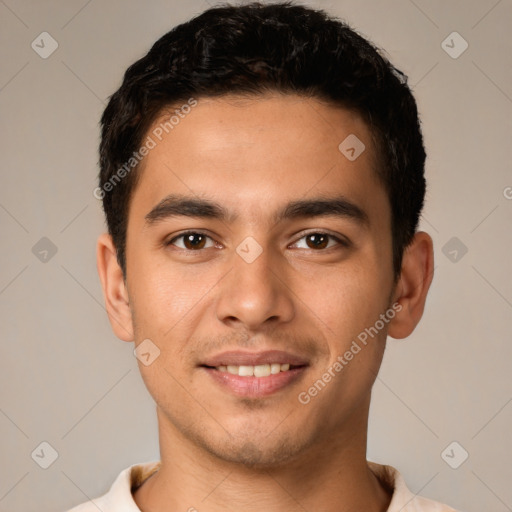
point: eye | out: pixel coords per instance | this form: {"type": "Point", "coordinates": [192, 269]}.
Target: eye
{"type": "Point", "coordinates": [192, 241]}
{"type": "Point", "coordinates": [195, 241]}
{"type": "Point", "coordinates": [320, 240]}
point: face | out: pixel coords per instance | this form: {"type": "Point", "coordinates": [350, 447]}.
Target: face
{"type": "Point", "coordinates": [255, 245]}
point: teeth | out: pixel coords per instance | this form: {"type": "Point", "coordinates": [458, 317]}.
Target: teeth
{"type": "Point", "coordinates": [246, 371]}
{"type": "Point", "coordinates": [231, 369]}
{"type": "Point", "coordinates": [260, 370]}
{"type": "Point", "coordinates": [275, 368]}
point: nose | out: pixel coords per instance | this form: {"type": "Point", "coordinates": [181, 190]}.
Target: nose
{"type": "Point", "coordinates": [255, 294]}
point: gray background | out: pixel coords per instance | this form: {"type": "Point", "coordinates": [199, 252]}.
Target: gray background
{"type": "Point", "coordinates": [65, 378]}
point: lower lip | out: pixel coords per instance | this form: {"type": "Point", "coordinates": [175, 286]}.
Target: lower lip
{"type": "Point", "coordinates": [255, 387]}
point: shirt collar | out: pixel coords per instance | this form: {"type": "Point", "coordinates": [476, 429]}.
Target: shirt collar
{"type": "Point", "coordinates": [120, 497]}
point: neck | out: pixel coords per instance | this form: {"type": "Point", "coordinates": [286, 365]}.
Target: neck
{"type": "Point", "coordinates": [332, 475]}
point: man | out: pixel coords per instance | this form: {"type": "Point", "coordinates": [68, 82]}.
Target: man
{"type": "Point", "coordinates": [262, 175]}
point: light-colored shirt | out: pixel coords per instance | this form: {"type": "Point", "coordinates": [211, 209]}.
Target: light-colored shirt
{"type": "Point", "coordinates": [120, 498]}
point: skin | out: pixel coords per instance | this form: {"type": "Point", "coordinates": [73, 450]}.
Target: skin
{"type": "Point", "coordinates": [224, 452]}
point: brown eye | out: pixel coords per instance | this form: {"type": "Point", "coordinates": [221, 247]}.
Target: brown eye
{"type": "Point", "coordinates": [192, 241]}
{"type": "Point", "coordinates": [319, 241]}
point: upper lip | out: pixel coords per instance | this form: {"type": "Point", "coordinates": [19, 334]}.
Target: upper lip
{"type": "Point", "coordinates": [241, 358]}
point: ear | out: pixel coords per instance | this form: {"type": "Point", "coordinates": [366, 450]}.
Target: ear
{"type": "Point", "coordinates": [413, 285]}
{"type": "Point", "coordinates": [115, 292]}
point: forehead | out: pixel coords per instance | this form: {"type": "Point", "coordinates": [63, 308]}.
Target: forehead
{"type": "Point", "coordinates": [253, 154]}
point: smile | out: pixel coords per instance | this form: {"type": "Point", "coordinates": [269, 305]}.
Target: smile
{"type": "Point", "coordinates": [254, 374]}
{"type": "Point", "coordinates": [260, 370]}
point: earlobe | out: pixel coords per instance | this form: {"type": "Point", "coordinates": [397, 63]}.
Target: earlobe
{"type": "Point", "coordinates": [115, 292]}
{"type": "Point", "coordinates": [413, 285]}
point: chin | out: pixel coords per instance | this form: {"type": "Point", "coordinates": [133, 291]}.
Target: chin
{"type": "Point", "coordinates": [256, 452]}
{"type": "Point", "coordinates": [254, 456]}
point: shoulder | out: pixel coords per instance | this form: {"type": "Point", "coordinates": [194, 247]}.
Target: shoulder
{"type": "Point", "coordinates": [403, 500]}
{"type": "Point", "coordinates": [119, 498]}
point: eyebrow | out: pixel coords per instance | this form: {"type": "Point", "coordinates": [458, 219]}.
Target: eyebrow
{"type": "Point", "coordinates": [175, 205]}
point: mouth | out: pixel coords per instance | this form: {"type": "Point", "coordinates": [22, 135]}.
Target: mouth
{"type": "Point", "coordinates": [260, 370]}
{"type": "Point", "coordinates": [255, 375]}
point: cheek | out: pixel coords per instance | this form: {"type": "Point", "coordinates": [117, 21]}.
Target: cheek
{"type": "Point", "coordinates": [164, 296]}
{"type": "Point", "coordinates": [172, 390]}
{"type": "Point", "coordinates": [346, 299]}
{"type": "Point", "coordinates": [168, 308]}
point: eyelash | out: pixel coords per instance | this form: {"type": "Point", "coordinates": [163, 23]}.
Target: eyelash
{"type": "Point", "coordinates": [340, 241]}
